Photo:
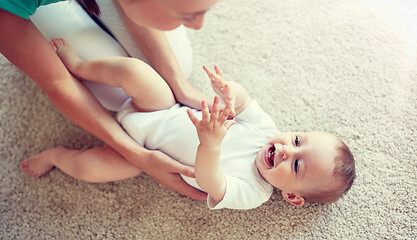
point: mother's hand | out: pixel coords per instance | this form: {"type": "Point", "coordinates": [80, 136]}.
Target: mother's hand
{"type": "Point", "coordinates": [166, 170]}
{"type": "Point", "coordinates": [189, 96]}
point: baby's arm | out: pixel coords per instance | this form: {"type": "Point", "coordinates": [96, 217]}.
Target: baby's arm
{"type": "Point", "coordinates": [211, 130]}
{"type": "Point", "coordinates": [229, 91]}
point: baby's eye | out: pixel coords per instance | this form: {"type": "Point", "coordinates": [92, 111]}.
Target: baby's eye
{"type": "Point", "coordinates": [296, 141]}
{"type": "Point", "coordinates": [296, 166]}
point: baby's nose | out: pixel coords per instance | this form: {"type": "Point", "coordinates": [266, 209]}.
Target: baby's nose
{"type": "Point", "coordinates": [282, 151]}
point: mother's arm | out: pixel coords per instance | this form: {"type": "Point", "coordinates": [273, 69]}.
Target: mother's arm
{"type": "Point", "coordinates": [155, 47]}
{"type": "Point", "coordinates": [24, 46]}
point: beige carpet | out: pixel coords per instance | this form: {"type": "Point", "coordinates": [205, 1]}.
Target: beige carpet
{"type": "Point", "coordinates": [346, 66]}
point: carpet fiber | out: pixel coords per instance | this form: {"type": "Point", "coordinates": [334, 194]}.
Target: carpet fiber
{"type": "Point", "coordinates": [348, 67]}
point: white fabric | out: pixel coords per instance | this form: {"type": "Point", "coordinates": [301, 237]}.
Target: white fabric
{"type": "Point", "coordinates": [172, 132]}
{"type": "Point", "coordinates": [177, 38]}
{"type": "Point", "coordinates": [88, 40]}
{"type": "Point", "coordinates": [68, 20]}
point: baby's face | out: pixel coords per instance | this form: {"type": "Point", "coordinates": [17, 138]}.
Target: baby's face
{"type": "Point", "coordinates": [297, 162]}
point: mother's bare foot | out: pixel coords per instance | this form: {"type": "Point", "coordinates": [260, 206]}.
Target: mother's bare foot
{"type": "Point", "coordinates": [40, 164]}
{"type": "Point", "coordinates": [65, 52]}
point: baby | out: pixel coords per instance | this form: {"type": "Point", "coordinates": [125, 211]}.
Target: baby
{"type": "Point", "coordinates": [237, 162]}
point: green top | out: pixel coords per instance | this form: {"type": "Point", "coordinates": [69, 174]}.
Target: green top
{"type": "Point", "coordinates": [24, 8]}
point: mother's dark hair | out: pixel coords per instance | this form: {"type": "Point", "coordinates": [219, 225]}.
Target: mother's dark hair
{"type": "Point", "coordinates": [90, 6]}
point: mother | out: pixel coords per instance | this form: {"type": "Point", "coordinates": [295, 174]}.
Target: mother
{"type": "Point", "coordinates": [23, 44]}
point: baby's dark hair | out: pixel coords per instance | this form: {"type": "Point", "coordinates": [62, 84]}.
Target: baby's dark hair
{"type": "Point", "coordinates": [90, 6]}
{"type": "Point", "coordinates": [344, 171]}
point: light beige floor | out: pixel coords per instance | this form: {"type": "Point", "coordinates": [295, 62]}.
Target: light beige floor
{"type": "Point", "coordinates": [347, 66]}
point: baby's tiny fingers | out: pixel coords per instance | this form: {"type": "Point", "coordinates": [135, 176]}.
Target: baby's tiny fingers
{"type": "Point", "coordinates": [206, 68]}
{"type": "Point", "coordinates": [213, 76]}
{"type": "Point", "coordinates": [215, 109]}
{"type": "Point", "coordinates": [226, 90]}
{"type": "Point", "coordinates": [225, 113]}
{"type": "Point", "coordinates": [232, 112]}
{"type": "Point", "coordinates": [193, 118]}
{"type": "Point", "coordinates": [205, 112]}
{"type": "Point", "coordinates": [209, 72]}
{"type": "Point", "coordinates": [218, 70]}
{"type": "Point", "coordinates": [217, 87]}
{"type": "Point", "coordinates": [228, 124]}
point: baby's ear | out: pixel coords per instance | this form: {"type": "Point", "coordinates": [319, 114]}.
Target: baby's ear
{"type": "Point", "coordinates": [294, 199]}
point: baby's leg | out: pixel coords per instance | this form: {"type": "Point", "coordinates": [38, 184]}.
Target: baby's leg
{"type": "Point", "coordinates": [101, 164]}
{"type": "Point", "coordinates": [148, 90]}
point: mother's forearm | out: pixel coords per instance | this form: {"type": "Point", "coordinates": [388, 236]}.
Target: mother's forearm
{"type": "Point", "coordinates": [157, 50]}
{"type": "Point", "coordinates": [24, 46]}
{"type": "Point", "coordinates": [154, 45]}
{"type": "Point", "coordinates": [74, 100]}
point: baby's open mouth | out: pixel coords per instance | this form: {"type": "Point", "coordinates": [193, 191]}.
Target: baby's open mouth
{"type": "Point", "coordinates": [270, 156]}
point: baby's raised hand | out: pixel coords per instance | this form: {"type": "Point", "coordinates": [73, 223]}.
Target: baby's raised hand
{"type": "Point", "coordinates": [213, 126]}
{"type": "Point", "coordinates": [222, 88]}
